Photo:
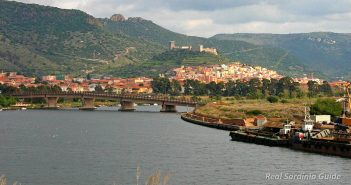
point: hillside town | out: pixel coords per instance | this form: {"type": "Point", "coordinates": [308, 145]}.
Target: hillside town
{"type": "Point", "coordinates": [205, 74]}
{"type": "Point", "coordinates": [223, 73]}
{"type": "Point", "coordinates": [79, 84]}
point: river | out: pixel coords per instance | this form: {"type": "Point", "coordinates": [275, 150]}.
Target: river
{"type": "Point", "coordinates": [71, 147]}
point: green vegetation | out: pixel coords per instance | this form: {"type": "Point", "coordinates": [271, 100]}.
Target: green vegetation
{"type": "Point", "coordinates": [147, 30]}
{"type": "Point", "coordinates": [248, 108]}
{"type": "Point", "coordinates": [6, 101]}
{"type": "Point", "coordinates": [272, 90]}
{"type": "Point", "coordinates": [326, 106]}
{"type": "Point", "coordinates": [253, 89]}
{"type": "Point", "coordinates": [326, 52]}
{"type": "Point", "coordinates": [254, 112]}
{"type": "Point", "coordinates": [163, 62]}
{"type": "Point", "coordinates": [272, 99]}
{"type": "Point", "coordinates": [315, 89]}
{"type": "Point", "coordinates": [38, 40]}
{"type": "Point", "coordinates": [5, 89]}
{"type": "Point", "coordinates": [43, 40]}
{"type": "Point", "coordinates": [165, 86]}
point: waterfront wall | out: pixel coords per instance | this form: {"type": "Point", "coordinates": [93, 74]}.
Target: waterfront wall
{"type": "Point", "coordinates": [209, 122]}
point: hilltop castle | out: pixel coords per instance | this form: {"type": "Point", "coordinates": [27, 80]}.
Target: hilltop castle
{"type": "Point", "coordinates": [200, 48]}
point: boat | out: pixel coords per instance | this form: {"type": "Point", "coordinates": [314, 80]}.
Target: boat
{"type": "Point", "coordinates": [331, 142]}
{"type": "Point", "coordinates": [261, 137]}
{"type": "Point", "coordinates": [21, 105]}
{"type": "Point", "coordinates": [335, 143]}
{"type": "Point", "coordinates": [208, 122]}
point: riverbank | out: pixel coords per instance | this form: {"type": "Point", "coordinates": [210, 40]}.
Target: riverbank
{"type": "Point", "coordinates": [213, 123]}
{"type": "Point", "coordinates": [292, 109]}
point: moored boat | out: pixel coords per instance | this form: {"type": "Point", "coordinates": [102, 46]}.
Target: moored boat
{"type": "Point", "coordinates": [322, 146]}
{"type": "Point", "coordinates": [259, 138]}
{"type": "Point", "coordinates": [331, 142]}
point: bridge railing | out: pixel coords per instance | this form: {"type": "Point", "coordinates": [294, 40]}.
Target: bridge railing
{"type": "Point", "coordinates": [151, 97]}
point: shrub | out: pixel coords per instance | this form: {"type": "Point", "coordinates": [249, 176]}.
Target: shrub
{"type": "Point", "coordinates": [284, 101]}
{"type": "Point", "coordinates": [254, 112]}
{"type": "Point", "coordinates": [272, 99]}
{"type": "Point", "coordinates": [326, 106]}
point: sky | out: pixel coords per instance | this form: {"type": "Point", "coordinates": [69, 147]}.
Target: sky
{"type": "Point", "coordinates": [209, 17]}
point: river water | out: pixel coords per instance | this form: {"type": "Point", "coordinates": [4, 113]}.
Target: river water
{"type": "Point", "coordinates": [58, 147]}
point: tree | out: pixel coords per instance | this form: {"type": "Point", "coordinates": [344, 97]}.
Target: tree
{"type": "Point", "coordinates": [242, 88]}
{"type": "Point", "coordinates": [161, 85]}
{"type": "Point", "coordinates": [199, 88]}
{"type": "Point", "coordinates": [286, 86]}
{"type": "Point", "coordinates": [195, 87]}
{"type": "Point", "coordinates": [273, 87]}
{"type": "Point", "coordinates": [229, 89]}
{"type": "Point", "coordinates": [272, 99]}
{"type": "Point", "coordinates": [175, 88]}
{"type": "Point", "coordinates": [109, 89]}
{"type": "Point", "coordinates": [5, 89]}
{"type": "Point", "coordinates": [215, 89]}
{"type": "Point", "coordinates": [326, 89]}
{"type": "Point", "coordinates": [99, 89]}
{"type": "Point", "coordinates": [326, 106]}
{"type": "Point", "coordinates": [56, 88]}
{"type": "Point", "coordinates": [88, 76]}
{"type": "Point", "coordinates": [265, 86]}
{"type": "Point", "coordinates": [254, 86]}
{"type": "Point", "coordinates": [7, 101]}
{"type": "Point", "coordinates": [188, 89]}
{"type": "Point", "coordinates": [312, 88]}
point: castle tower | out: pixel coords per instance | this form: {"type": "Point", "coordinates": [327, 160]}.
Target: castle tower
{"type": "Point", "coordinates": [201, 47]}
{"type": "Point", "coordinates": [172, 45]}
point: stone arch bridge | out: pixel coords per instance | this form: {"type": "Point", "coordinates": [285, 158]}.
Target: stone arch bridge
{"type": "Point", "coordinates": [126, 100]}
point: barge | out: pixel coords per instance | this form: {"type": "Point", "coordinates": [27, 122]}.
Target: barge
{"type": "Point", "coordinates": [260, 139]}
{"type": "Point", "coordinates": [213, 124]}
{"type": "Point", "coordinates": [330, 142]}
{"type": "Point", "coordinates": [322, 146]}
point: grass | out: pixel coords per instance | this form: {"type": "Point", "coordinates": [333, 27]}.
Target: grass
{"type": "Point", "coordinates": [158, 179]}
{"type": "Point", "coordinates": [3, 181]}
{"type": "Point", "coordinates": [230, 108]}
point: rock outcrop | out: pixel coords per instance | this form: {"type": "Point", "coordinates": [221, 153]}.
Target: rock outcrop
{"type": "Point", "coordinates": [117, 18]}
{"type": "Point", "coordinates": [136, 19]}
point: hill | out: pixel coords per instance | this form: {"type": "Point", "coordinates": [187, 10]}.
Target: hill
{"type": "Point", "coordinates": [138, 27]}
{"type": "Point", "coordinates": [38, 40]}
{"type": "Point", "coordinates": [327, 52]}
{"type": "Point", "coordinates": [167, 60]}
{"type": "Point", "coordinates": [65, 41]}
{"type": "Point", "coordinates": [250, 53]}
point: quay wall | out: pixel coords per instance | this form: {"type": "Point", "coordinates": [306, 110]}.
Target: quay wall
{"type": "Point", "coordinates": [209, 122]}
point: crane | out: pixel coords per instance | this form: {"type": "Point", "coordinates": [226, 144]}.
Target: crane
{"type": "Point", "coordinates": [347, 99]}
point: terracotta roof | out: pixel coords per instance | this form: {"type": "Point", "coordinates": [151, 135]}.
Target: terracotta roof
{"type": "Point", "coordinates": [261, 117]}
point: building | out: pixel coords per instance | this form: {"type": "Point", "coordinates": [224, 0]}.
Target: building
{"type": "Point", "coordinates": [321, 118]}
{"type": "Point", "coordinates": [207, 50]}
{"type": "Point", "coordinates": [223, 73]}
{"type": "Point", "coordinates": [173, 46]}
{"type": "Point", "coordinates": [49, 78]}
{"type": "Point", "coordinates": [260, 120]}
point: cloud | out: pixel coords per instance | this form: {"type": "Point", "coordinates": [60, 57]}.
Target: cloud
{"type": "Point", "coordinates": [208, 17]}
